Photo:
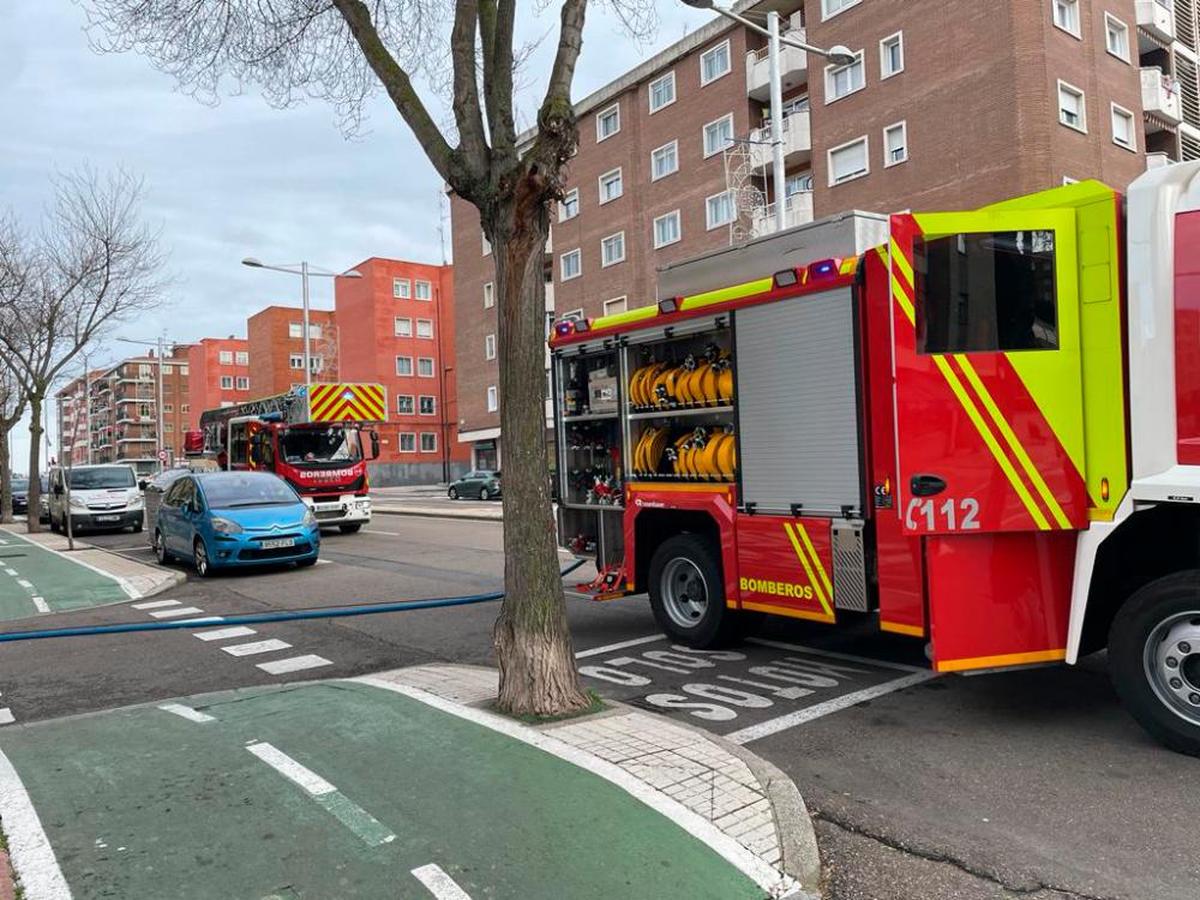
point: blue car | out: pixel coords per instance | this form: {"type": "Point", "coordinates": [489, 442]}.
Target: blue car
{"type": "Point", "coordinates": [235, 519]}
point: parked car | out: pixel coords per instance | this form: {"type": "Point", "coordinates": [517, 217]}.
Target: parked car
{"type": "Point", "coordinates": [481, 484]}
{"type": "Point", "coordinates": [102, 496]}
{"type": "Point", "coordinates": [44, 499]}
{"type": "Point", "coordinates": [20, 494]}
{"type": "Point", "coordinates": [234, 519]}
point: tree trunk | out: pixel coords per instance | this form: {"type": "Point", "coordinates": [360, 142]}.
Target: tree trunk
{"type": "Point", "coordinates": [33, 520]}
{"type": "Point", "coordinates": [531, 636]}
{"type": "Point", "coordinates": [6, 511]}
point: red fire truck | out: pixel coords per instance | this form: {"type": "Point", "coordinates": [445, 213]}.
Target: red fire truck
{"type": "Point", "coordinates": [311, 437]}
{"type": "Point", "coordinates": [981, 428]}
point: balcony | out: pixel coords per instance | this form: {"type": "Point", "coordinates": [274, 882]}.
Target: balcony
{"type": "Point", "coordinates": [797, 210]}
{"type": "Point", "coordinates": [793, 64]}
{"type": "Point", "coordinates": [1160, 100]}
{"type": "Point", "coordinates": [797, 142]}
{"type": "Point", "coordinates": [1156, 19]}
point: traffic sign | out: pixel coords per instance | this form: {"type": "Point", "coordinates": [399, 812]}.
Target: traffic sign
{"type": "Point", "coordinates": [162, 456]}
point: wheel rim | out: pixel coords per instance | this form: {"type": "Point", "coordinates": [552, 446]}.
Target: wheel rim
{"type": "Point", "coordinates": [453, 494]}
{"type": "Point", "coordinates": [201, 559]}
{"type": "Point", "coordinates": [483, 495]}
{"type": "Point", "coordinates": [1172, 660]}
{"type": "Point", "coordinates": [684, 592]}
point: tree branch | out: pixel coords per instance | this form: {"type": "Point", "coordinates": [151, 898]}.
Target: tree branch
{"type": "Point", "coordinates": [467, 114]}
{"type": "Point", "coordinates": [557, 134]}
{"type": "Point", "coordinates": [498, 79]}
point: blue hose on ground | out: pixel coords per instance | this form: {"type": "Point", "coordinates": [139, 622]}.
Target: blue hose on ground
{"type": "Point", "coordinates": [291, 615]}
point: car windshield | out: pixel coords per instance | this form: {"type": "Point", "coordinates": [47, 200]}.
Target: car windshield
{"type": "Point", "coordinates": [333, 444]}
{"type": "Point", "coordinates": [93, 479]}
{"type": "Point", "coordinates": [20, 484]}
{"type": "Point", "coordinates": [226, 490]}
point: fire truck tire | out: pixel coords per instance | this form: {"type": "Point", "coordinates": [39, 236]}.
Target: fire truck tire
{"type": "Point", "coordinates": [1154, 659]}
{"type": "Point", "coordinates": [687, 593]}
{"type": "Point", "coordinates": [352, 528]}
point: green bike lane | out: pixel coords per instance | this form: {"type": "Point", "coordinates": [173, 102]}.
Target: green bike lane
{"type": "Point", "coordinates": [34, 580]}
{"type": "Point", "coordinates": [332, 789]}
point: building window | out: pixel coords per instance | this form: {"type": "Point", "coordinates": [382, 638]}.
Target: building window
{"type": "Point", "coordinates": [615, 305]}
{"type": "Point", "coordinates": [1071, 109]}
{"type": "Point", "coordinates": [718, 210]}
{"type": "Point", "coordinates": [225, 357]}
{"type": "Point", "coordinates": [841, 81]}
{"type": "Point", "coordinates": [408, 442]}
{"type": "Point", "coordinates": [799, 183]}
{"type": "Point", "coordinates": [666, 229]}
{"type": "Point", "coordinates": [1116, 37]}
{"type": "Point", "coordinates": [243, 383]}
{"type": "Point", "coordinates": [316, 364]}
{"type": "Point", "coordinates": [485, 244]}
{"type": "Point", "coordinates": [612, 249]}
{"type": "Point", "coordinates": [401, 288]}
{"type": "Point", "coordinates": [425, 366]}
{"type": "Point", "coordinates": [830, 8]}
{"type": "Point", "coordinates": [428, 442]}
{"type": "Point", "coordinates": [168, 407]}
{"type": "Point", "coordinates": [424, 290]}
{"type": "Point", "coordinates": [403, 327]}
{"type": "Point", "coordinates": [608, 122]}
{"type": "Point", "coordinates": [428, 405]}
{"type": "Point", "coordinates": [185, 407]}
{"type": "Point", "coordinates": [895, 144]}
{"type": "Point", "coordinates": [570, 265]}
{"type": "Point", "coordinates": [714, 63]}
{"type": "Point", "coordinates": [404, 365]}
{"type": "Point", "coordinates": [168, 427]}
{"type": "Point", "coordinates": [849, 161]}
{"type": "Point", "coordinates": [662, 92]}
{"type": "Point", "coordinates": [296, 361]}
{"type": "Point", "coordinates": [424, 328]}
{"type": "Point", "coordinates": [611, 186]}
{"type": "Point", "coordinates": [891, 55]}
{"type": "Point", "coordinates": [489, 346]}
{"type": "Point", "coordinates": [243, 358]}
{"type": "Point", "coordinates": [1066, 15]}
{"type": "Point", "coordinates": [664, 161]}
{"type": "Point", "coordinates": [493, 398]}
{"type": "Point", "coordinates": [295, 330]}
{"type": "Point", "coordinates": [569, 208]}
{"type": "Point", "coordinates": [718, 135]}
{"type": "Point", "coordinates": [314, 332]}
{"type": "Point", "coordinates": [404, 404]}
{"type": "Point", "coordinates": [1122, 128]}
{"type": "Point", "coordinates": [183, 370]}
{"type": "Point", "coordinates": [489, 295]}
{"type": "Point", "coordinates": [227, 382]}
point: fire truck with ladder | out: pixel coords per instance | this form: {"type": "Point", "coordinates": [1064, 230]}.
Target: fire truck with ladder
{"type": "Point", "coordinates": [980, 428]}
{"type": "Point", "coordinates": [312, 437]}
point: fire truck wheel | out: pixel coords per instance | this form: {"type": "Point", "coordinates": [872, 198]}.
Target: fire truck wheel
{"type": "Point", "coordinates": [1154, 657]}
{"type": "Point", "coordinates": [351, 528]}
{"type": "Point", "coordinates": [687, 593]}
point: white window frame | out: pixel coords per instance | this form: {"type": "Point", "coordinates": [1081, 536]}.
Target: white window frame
{"type": "Point", "coordinates": [1073, 4]}
{"type": "Point", "coordinates": [493, 399]}
{"type": "Point", "coordinates": [844, 5]}
{"type": "Point", "coordinates": [708, 222]}
{"type": "Point", "coordinates": [562, 264]}
{"type": "Point", "coordinates": [489, 294]}
{"type": "Point", "coordinates": [668, 76]}
{"type": "Point", "coordinates": [620, 183]}
{"type": "Point", "coordinates": [572, 314]}
{"type": "Point", "coordinates": [865, 140]}
{"type": "Point", "coordinates": [295, 330]}
{"type": "Point", "coordinates": [830, 70]}
{"type": "Point", "coordinates": [704, 134]}
{"type": "Point", "coordinates": [669, 145]}
{"type": "Point", "coordinates": [412, 405]}
{"type": "Point", "coordinates": [412, 437]}
{"type": "Point", "coordinates": [225, 357]}
{"type": "Point", "coordinates": [600, 117]}
{"type": "Point", "coordinates": [562, 207]}
{"type": "Point", "coordinates": [898, 38]}
{"type": "Point", "coordinates": [227, 382]}
{"type": "Point", "coordinates": [242, 358]}
{"type": "Point", "coordinates": [427, 322]}
{"type": "Point", "coordinates": [1109, 21]}
{"type": "Point", "coordinates": [623, 300]}
{"type": "Point", "coordinates": [427, 285]}
{"type": "Point", "coordinates": [489, 346]}
{"type": "Point", "coordinates": [888, 162]}
{"type": "Point", "coordinates": [296, 361]}
{"type": "Point", "coordinates": [678, 229]}
{"type": "Point", "coordinates": [410, 371]}
{"type": "Point", "coordinates": [1115, 110]}
{"type": "Point", "coordinates": [605, 263]}
{"type": "Point", "coordinates": [728, 61]}
{"type": "Point", "coordinates": [432, 406]}
{"type": "Point", "coordinates": [398, 329]}
{"type": "Point", "coordinates": [402, 288]}
{"type": "Point", "coordinates": [429, 434]}
{"type": "Point", "coordinates": [432, 367]}
{"type": "Point", "coordinates": [1071, 89]}
{"type": "Point", "coordinates": [242, 383]}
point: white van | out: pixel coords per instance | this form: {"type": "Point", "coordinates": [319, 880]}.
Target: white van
{"type": "Point", "coordinates": [102, 496]}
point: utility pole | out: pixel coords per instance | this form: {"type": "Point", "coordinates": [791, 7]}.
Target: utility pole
{"type": "Point", "coordinates": [307, 342]}
{"type": "Point", "coordinates": [776, 79]}
{"type": "Point", "coordinates": [158, 409]}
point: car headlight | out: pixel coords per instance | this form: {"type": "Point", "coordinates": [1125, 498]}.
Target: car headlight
{"type": "Point", "coordinates": [76, 503]}
{"type": "Point", "coordinates": [221, 525]}
{"type": "Point", "coordinates": [135, 502]}
{"type": "Point", "coordinates": [310, 519]}
{"type": "Point", "coordinates": [364, 504]}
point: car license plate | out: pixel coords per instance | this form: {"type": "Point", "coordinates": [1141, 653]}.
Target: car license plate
{"type": "Point", "coordinates": [327, 507]}
{"type": "Point", "coordinates": [108, 518]}
{"type": "Point", "coordinates": [276, 543]}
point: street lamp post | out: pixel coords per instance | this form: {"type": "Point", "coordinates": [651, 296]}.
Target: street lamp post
{"type": "Point", "coordinates": [837, 54]}
{"type": "Point", "coordinates": [304, 270]}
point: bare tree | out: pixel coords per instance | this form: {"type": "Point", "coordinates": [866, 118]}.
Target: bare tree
{"type": "Point", "coordinates": [14, 274]}
{"type": "Point", "coordinates": [92, 263]}
{"type": "Point", "coordinates": [12, 407]}
{"type": "Point", "coordinates": [343, 51]}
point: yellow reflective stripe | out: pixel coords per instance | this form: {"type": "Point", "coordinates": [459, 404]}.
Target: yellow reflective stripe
{"type": "Point", "coordinates": [1014, 443]}
{"type": "Point", "coordinates": [902, 263]}
{"type": "Point", "coordinates": [747, 289]}
{"type": "Point", "coordinates": [812, 578]}
{"type": "Point", "coordinates": [816, 558]}
{"type": "Point", "coordinates": [990, 439]}
{"type": "Point", "coordinates": [631, 315]}
{"type": "Point", "coordinates": [902, 299]}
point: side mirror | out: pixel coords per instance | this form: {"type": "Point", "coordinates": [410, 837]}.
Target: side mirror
{"type": "Point", "coordinates": [142, 484]}
{"type": "Point", "coordinates": [374, 445]}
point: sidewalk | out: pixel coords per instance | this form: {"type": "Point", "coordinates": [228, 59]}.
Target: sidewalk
{"type": "Point", "coordinates": [385, 786]}
{"type": "Point", "coordinates": [38, 575]}
{"type": "Point", "coordinates": [431, 500]}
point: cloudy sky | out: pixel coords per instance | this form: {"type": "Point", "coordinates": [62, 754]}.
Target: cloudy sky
{"type": "Point", "coordinates": [242, 179]}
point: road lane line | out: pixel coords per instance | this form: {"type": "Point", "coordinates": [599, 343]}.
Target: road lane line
{"type": "Point", "coordinates": [800, 716]}
{"type": "Point", "coordinates": [41, 605]}
{"type": "Point", "coordinates": [346, 811]}
{"type": "Point", "coordinates": [25, 583]}
{"type": "Point", "coordinates": [221, 634]}
{"type": "Point", "coordinates": [373, 531]}
{"type": "Point", "coordinates": [186, 712]}
{"type": "Point", "coordinates": [438, 883]}
{"type": "Point", "coordinates": [155, 604]}
{"type": "Point", "coordinates": [171, 613]}
{"type": "Point", "coordinates": [12, 572]}
{"type": "Point", "coordinates": [29, 848]}
{"type": "Point", "coordinates": [800, 648]}
{"type": "Point", "coordinates": [293, 664]}
{"type": "Point", "coordinates": [6, 716]}
{"type": "Point", "coordinates": [256, 647]}
{"type": "Point", "coordinates": [324, 562]}
{"type": "Point", "coordinates": [609, 648]}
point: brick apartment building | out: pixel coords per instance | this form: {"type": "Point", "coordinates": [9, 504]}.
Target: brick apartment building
{"type": "Point", "coordinates": [949, 104]}
{"type": "Point", "coordinates": [275, 336]}
{"type": "Point", "coordinates": [220, 374]}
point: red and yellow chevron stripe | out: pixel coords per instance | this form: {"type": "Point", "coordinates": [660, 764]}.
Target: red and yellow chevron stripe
{"type": "Point", "coordinates": [340, 402]}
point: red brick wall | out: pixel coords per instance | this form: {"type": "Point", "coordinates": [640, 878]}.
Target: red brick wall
{"type": "Point", "coordinates": [205, 370]}
{"type": "Point", "coordinates": [271, 348]}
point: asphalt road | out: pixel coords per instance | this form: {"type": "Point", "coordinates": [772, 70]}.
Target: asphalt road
{"type": "Point", "coordinates": [1031, 784]}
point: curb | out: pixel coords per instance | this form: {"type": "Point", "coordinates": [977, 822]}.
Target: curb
{"type": "Point", "coordinates": [8, 889]}
{"type": "Point", "coordinates": [430, 513]}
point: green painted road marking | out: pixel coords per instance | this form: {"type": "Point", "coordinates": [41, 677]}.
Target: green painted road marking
{"type": "Point", "coordinates": [56, 581]}
{"type": "Point", "coordinates": [185, 811]}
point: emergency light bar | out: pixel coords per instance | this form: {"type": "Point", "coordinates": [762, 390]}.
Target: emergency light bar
{"type": "Point", "coordinates": [823, 268]}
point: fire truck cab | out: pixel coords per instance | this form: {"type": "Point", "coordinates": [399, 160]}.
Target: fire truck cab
{"type": "Point", "coordinates": [981, 428]}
